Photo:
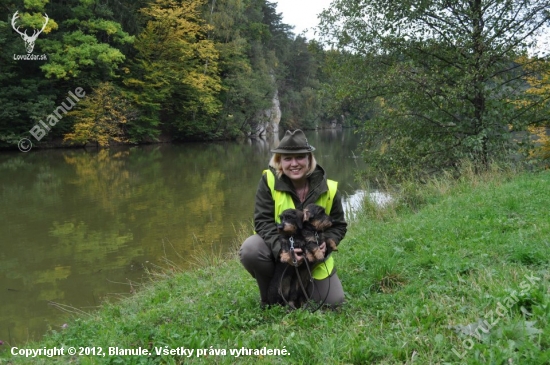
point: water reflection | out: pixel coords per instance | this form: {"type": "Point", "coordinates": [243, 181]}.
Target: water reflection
{"type": "Point", "coordinates": [353, 202]}
{"type": "Point", "coordinates": [79, 225]}
{"type": "Point", "coordinates": [265, 143]}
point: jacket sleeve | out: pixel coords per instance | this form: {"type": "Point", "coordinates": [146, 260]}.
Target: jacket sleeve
{"type": "Point", "coordinates": [264, 217]}
{"type": "Point", "coordinates": [339, 226]}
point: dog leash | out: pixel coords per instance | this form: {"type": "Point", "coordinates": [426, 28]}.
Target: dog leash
{"type": "Point", "coordinates": [300, 280]}
{"type": "Point", "coordinates": [304, 291]}
{"type": "Point", "coordinates": [326, 296]}
{"type": "Point", "coordinates": [295, 264]}
{"type": "Point", "coordinates": [313, 282]}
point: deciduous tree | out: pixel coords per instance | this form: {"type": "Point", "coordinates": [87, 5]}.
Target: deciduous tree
{"type": "Point", "coordinates": [442, 73]}
{"type": "Point", "coordinates": [101, 117]}
{"type": "Point", "coordinates": [539, 82]}
{"type": "Point", "coordinates": [175, 73]}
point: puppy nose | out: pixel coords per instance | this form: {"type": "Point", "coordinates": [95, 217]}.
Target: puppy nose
{"type": "Point", "coordinates": [280, 226]}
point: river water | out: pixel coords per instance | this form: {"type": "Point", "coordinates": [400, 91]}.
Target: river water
{"type": "Point", "coordinates": [77, 226]}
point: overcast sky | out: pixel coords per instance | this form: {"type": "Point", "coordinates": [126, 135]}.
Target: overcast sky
{"type": "Point", "coordinates": [301, 13]}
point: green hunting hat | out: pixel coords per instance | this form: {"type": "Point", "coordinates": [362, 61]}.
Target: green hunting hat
{"type": "Point", "coordinates": [294, 142]}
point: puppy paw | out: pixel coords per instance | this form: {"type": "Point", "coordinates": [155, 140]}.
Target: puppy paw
{"type": "Point", "coordinates": [310, 257]}
{"type": "Point", "coordinates": [332, 244]}
{"type": "Point", "coordinates": [285, 258]}
{"type": "Point", "coordinates": [318, 254]}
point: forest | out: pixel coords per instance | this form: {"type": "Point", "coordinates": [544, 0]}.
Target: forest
{"type": "Point", "coordinates": [153, 70]}
{"type": "Point", "coordinates": [427, 83]}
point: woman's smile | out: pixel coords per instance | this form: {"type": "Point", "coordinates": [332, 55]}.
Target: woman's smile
{"type": "Point", "coordinates": [295, 166]}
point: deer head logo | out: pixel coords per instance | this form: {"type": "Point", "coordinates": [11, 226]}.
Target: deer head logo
{"type": "Point", "coordinates": [29, 41]}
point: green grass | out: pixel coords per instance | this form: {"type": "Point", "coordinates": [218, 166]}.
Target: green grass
{"type": "Point", "coordinates": [415, 275]}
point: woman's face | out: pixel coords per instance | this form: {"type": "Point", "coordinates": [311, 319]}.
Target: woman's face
{"type": "Point", "coordinates": [295, 166]}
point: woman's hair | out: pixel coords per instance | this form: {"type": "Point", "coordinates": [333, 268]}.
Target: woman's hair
{"type": "Point", "coordinates": [275, 162]}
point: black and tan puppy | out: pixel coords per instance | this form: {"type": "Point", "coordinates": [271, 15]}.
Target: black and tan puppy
{"type": "Point", "coordinates": [315, 222]}
{"type": "Point", "coordinates": [289, 276]}
{"type": "Point", "coordinates": [290, 228]}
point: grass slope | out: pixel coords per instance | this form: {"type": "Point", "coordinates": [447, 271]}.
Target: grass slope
{"type": "Point", "coordinates": [417, 284]}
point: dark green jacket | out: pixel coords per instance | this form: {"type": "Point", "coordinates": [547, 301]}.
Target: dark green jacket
{"type": "Point", "coordinates": [264, 211]}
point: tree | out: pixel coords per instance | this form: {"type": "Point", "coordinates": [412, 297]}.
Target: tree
{"type": "Point", "coordinates": [80, 43]}
{"type": "Point", "coordinates": [299, 88]}
{"type": "Point", "coordinates": [193, 69]}
{"type": "Point", "coordinates": [101, 117]}
{"type": "Point", "coordinates": [87, 50]}
{"type": "Point", "coordinates": [442, 74]}
{"type": "Point", "coordinates": [539, 82]}
{"type": "Point", "coordinates": [175, 74]}
{"type": "Point", "coordinates": [242, 65]}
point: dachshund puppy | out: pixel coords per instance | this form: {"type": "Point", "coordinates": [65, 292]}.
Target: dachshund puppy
{"type": "Point", "coordinates": [290, 228]}
{"type": "Point", "coordinates": [290, 279]}
{"type": "Point", "coordinates": [315, 222]}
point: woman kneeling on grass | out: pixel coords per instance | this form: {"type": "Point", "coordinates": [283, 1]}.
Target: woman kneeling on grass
{"type": "Point", "coordinates": [297, 181]}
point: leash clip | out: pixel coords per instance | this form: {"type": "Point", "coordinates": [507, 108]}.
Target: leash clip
{"type": "Point", "coordinates": [294, 261]}
{"type": "Point", "coordinates": [316, 238]}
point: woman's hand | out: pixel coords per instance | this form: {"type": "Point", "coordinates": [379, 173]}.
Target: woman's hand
{"type": "Point", "coordinates": [299, 253]}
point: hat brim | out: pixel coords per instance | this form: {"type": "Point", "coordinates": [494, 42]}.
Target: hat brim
{"type": "Point", "coordinates": [293, 152]}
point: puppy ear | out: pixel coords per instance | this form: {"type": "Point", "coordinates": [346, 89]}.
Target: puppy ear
{"type": "Point", "coordinates": [299, 218]}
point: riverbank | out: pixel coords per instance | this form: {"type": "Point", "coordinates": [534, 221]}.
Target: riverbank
{"type": "Point", "coordinates": [455, 273]}
{"type": "Point", "coordinates": [163, 138]}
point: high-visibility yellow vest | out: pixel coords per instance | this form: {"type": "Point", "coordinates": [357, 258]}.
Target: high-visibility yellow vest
{"type": "Point", "coordinates": [283, 200]}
